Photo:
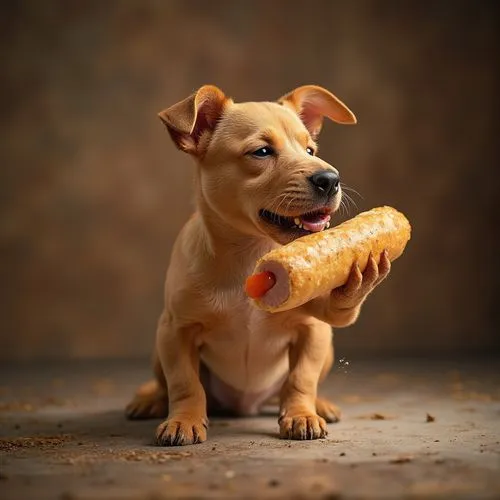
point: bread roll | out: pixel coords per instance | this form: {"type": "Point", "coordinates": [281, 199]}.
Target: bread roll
{"type": "Point", "coordinates": [315, 264]}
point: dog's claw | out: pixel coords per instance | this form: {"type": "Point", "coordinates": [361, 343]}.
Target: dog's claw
{"type": "Point", "coordinates": [384, 266]}
{"type": "Point", "coordinates": [181, 432]}
{"type": "Point", "coordinates": [359, 285]}
{"type": "Point", "coordinates": [304, 427]}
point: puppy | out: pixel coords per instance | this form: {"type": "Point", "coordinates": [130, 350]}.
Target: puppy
{"type": "Point", "coordinates": [259, 184]}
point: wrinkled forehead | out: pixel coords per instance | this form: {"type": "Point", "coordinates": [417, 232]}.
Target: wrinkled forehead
{"type": "Point", "coordinates": [247, 119]}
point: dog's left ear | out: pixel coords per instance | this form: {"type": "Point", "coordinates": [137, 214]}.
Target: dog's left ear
{"type": "Point", "coordinates": [189, 120]}
{"type": "Point", "coordinates": [312, 103]}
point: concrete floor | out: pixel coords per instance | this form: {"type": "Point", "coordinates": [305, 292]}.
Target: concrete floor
{"type": "Point", "coordinates": [410, 429]}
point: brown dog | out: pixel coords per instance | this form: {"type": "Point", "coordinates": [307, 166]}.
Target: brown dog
{"type": "Point", "coordinates": [259, 184]}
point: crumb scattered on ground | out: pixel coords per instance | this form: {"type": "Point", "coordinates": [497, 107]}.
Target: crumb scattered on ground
{"type": "Point", "coordinates": [401, 460]}
{"type": "Point", "coordinates": [42, 442]}
{"type": "Point", "coordinates": [376, 416]}
{"type": "Point", "coordinates": [430, 418]}
{"type": "Point", "coordinates": [107, 454]}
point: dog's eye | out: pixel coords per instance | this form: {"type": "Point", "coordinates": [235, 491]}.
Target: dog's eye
{"type": "Point", "coordinates": [310, 151]}
{"type": "Point", "coordinates": [263, 152]}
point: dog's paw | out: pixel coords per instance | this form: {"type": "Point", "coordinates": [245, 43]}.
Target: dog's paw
{"type": "Point", "coordinates": [150, 401]}
{"type": "Point", "coordinates": [142, 408]}
{"type": "Point", "coordinates": [302, 427]}
{"type": "Point", "coordinates": [360, 284]}
{"type": "Point", "coordinates": [326, 409]}
{"type": "Point", "coordinates": [181, 431]}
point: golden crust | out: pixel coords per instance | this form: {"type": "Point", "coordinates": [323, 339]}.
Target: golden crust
{"type": "Point", "coordinates": [317, 263]}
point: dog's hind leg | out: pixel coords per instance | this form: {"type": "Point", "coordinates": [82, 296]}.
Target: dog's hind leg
{"type": "Point", "coordinates": [151, 399]}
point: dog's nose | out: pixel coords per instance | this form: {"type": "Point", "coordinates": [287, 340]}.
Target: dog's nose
{"type": "Point", "coordinates": [325, 182]}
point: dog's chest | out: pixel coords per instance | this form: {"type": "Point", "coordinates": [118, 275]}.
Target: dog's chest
{"type": "Point", "coordinates": [246, 348]}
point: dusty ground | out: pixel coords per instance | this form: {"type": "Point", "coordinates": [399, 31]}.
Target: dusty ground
{"type": "Point", "coordinates": [412, 429]}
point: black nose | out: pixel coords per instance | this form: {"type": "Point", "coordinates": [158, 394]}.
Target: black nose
{"type": "Point", "coordinates": [325, 182]}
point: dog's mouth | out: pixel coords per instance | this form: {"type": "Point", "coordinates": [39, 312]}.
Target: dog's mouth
{"type": "Point", "coordinates": [308, 222]}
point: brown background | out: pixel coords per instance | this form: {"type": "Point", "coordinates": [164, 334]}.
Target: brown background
{"type": "Point", "coordinates": [93, 192]}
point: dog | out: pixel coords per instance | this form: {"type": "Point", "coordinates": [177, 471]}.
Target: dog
{"type": "Point", "coordinates": [259, 184]}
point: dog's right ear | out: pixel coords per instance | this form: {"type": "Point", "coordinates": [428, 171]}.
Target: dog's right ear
{"type": "Point", "coordinates": [190, 120]}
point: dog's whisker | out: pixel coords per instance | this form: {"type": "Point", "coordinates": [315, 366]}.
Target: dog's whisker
{"type": "Point", "coordinates": [343, 208]}
{"type": "Point", "coordinates": [278, 204]}
{"type": "Point", "coordinates": [348, 200]}
{"type": "Point", "coordinates": [348, 191]}
{"type": "Point", "coordinates": [286, 198]}
{"type": "Point", "coordinates": [347, 208]}
{"type": "Point", "coordinates": [352, 190]}
{"type": "Point", "coordinates": [273, 204]}
{"type": "Point", "coordinates": [292, 199]}
{"type": "Point", "coordinates": [347, 203]}
{"type": "Point", "coordinates": [286, 201]}
{"type": "Point", "coordinates": [275, 209]}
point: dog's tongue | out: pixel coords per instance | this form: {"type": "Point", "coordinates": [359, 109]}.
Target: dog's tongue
{"type": "Point", "coordinates": [315, 222]}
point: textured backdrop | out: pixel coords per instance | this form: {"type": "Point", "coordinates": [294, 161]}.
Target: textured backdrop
{"type": "Point", "coordinates": [92, 192]}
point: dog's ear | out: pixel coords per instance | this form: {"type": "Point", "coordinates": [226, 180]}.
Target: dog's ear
{"type": "Point", "coordinates": [312, 103]}
{"type": "Point", "coordinates": [189, 120]}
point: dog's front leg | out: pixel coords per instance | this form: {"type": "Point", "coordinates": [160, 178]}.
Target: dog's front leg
{"type": "Point", "coordinates": [187, 416]}
{"type": "Point", "coordinates": [298, 417]}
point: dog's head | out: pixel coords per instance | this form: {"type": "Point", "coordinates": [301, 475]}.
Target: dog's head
{"type": "Point", "coordinates": [258, 168]}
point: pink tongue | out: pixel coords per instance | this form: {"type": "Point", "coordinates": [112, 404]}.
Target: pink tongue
{"type": "Point", "coordinates": [317, 225]}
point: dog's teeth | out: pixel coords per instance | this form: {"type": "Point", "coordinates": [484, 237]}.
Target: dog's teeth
{"type": "Point", "coordinates": [327, 225]}
{"type": "Point", "coordinates": [297, 221]}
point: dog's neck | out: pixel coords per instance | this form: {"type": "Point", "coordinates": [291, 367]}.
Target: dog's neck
{"type": "Point", "coordinates": [227, 247]}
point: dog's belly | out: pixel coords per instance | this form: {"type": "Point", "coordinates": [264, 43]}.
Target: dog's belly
{"type": "Point", "coordinates": [244, 365]}
{"type": "Point", "coordinates": [223, 397]}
